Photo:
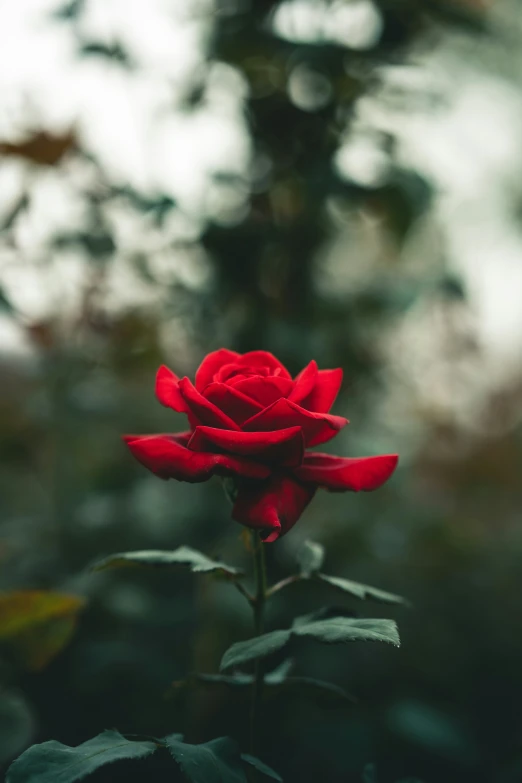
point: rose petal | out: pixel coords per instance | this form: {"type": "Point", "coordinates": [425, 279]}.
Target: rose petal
{"type": "Point", "coordinates": [232, 402]}
{"type": "Point", "coordinates": [326, 389]}
{"type": "Point", "coordinates": [229, 372]}
{"type": "Point", "coordinates": [263, 359]}
{"type": "Point", "coordinates": [264, 390]}
{"type": "Point", "coordinates": [304, 382]}
{"type": "Point", "coordinates": [182, 438]}
{"type": "Point", "coordinates": [204, 411]}
{"type": "Point", "coordinates": [211, 364]}
{"type": "Point", "coordinates": [317, 427]}
{"type": "Point", "coordinates": [165, 456]}
{"type": "Point", "coordinates": [282, 447]}
{"type": "Point", "coordinates": [324, 392]}
{"type": "Point", "coordinates": [347, 473]}
{"type": "Point", "coordinates": [167, 390]}
{"type": "Point", "coordinates": [272, 506]}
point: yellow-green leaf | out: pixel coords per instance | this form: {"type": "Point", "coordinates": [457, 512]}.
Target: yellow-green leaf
{"type": "Point", "coordinates": [37, 624]}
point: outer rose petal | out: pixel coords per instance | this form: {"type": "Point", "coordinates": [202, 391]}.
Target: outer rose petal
{"type": "Point", "coordinates": [271, 506]}
{"type": "Point", "coordinates": [165, 456]}
{"type": "Point", "coordinates": [232, 402]}
{"type": "Point", "coordinates": [263, 359]}
{"type": "Point", "coordinates": [304, 382]}
{"type": "Point", "coordinates": [211, 364]}
{"type": "Point", "coordinates": [203, 411]}
{"type": "Point", "coordinates": [167, 390]}
{"type": "Point", "coordinates": [339, 474]}
{"type": "Point", "coordinates": [317, 427]}
{"type": "Point", "coordinates": [282, 447]}
{"type": "Point", "coordinates": [264, 390]}
{"type": "Point", "coordinates": [326, 389]}
{"type": "Point", "coordinates": [182, 438]}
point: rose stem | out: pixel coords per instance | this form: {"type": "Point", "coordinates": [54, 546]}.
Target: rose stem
{"type": "Point", "coordinates": [258, 605]}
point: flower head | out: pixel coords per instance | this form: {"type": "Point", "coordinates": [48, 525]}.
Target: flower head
{"type": "Point", "coordinates": [251, 420]}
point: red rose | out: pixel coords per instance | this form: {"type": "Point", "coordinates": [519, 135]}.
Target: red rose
{"type": "Point", "coordinates": [249, 419]}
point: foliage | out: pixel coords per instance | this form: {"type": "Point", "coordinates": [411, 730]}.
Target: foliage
{"type": "Point", "coordinates": [218, 761]}
{"type": "Point", "coordinates": [280, 681]}
{"type": "Point", "coordinates": [334, 630]}
{"type": "Point", "coordinates": [53, 762]}
{"type": "Point", "coordinates": [310, 559]}
{"type": "Point", "coordinates": [197, 562]}
{"type": "Point", "coordinates": [360, 591]}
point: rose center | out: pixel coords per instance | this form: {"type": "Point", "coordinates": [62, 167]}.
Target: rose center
{"type": "Point", "coordinates": [233, 373]}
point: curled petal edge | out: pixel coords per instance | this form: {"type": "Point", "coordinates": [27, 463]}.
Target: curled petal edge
{"type": "Point", "coordinates": [263, 359]}
{"type": "Point", "coordinates": [304, 383]}
{"type": "Point", "coordinates": [317, 427]}
{"type": "Point", "coordinates": [324, 392]}
{"type": "Point", "coordinates": [232, 402]}
{"type": "Point", "coordinates": [286, 447]}
{"type": "Point", "coordinates": [211, 364]}
{"type": "Point", "coordinates": [341, 474]}
{"type": "Point", "coordinates": [168, 457]}
{"type": "Point", "coordinates": [204, 411]}
{"type": "Point", "coordinates": [167, 390]}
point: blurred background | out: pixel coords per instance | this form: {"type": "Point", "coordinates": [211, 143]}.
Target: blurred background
{"type": "Point", "coordinates": [328, 179]}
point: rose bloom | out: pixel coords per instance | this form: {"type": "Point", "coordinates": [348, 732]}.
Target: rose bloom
{"type": "Point", "coordinates": [250, 420]}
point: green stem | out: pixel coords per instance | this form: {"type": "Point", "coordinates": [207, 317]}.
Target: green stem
{"type": "Point", "coordinates": [289, 580]}
{"type": "Point", "coordinates": [258, 605]}
{"type": "Point", "coordinates": [239, 587]}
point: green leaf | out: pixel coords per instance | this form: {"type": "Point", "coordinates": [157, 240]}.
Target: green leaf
{"type": "Point", "coordinates": [333, 630]}
{"type": "Point", "coordinates": [217, 761]}
{"type": "Point", "coordinates": [278, 681]}
{"type": "Point", "coordinates": [361, 591]}
{"type": "Point", "coordinates": [350, 629]}
{"type": "Point", "coordinates": [276, 677]}
{"type": "Point", "coordinates": [234, 681]}
{"type": "Point", "coordinates": [196, 561]}
{"type": "Point", "coordinates": [52, 762]}
{"type": "Point", "coordinates": [327, 694]}
{"type": "Point", "coordinates": [258, 647]}
{"type": "Point", "coordinates": [310, 558]}
{"type": "Point", "coordinates": [324, 613]}
{"type": "Point", "coordinates": [260, 767]}
{"type": "Point", "coordinates": [280, 673]}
